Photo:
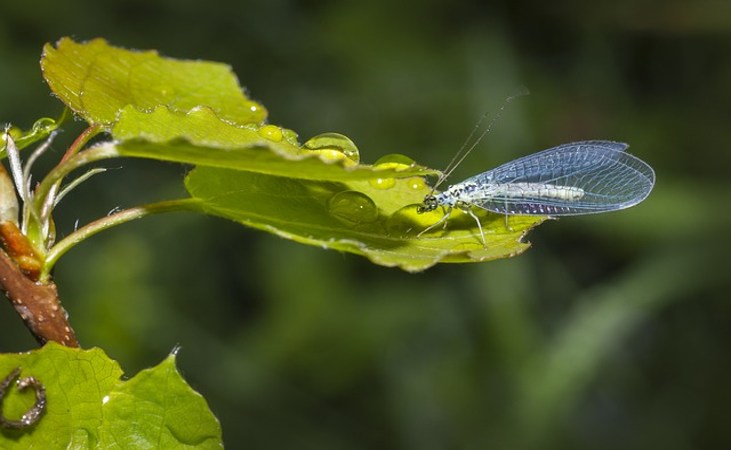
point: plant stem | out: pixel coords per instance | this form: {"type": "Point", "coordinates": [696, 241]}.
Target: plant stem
{"type": "Point", "coordinates": [37, 304]}
{"type": "Point", "coordinates": [118, 218]}
{"type": "Point", "coordinates": [81, 141]}
{"type": "Point", "coordinates": [82, 158]}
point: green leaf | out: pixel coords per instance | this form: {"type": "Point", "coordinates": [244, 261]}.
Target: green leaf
{"type": "Point", "coordinates": [268, 160]}
{"type": "Point", "coordinates": [41, 129]}
{"type": "Point", "coordinates": [200, 126]}
{"type": "Point", "coordinates": [97, 81]}
{"type": "Point", "coordinates": [199, 137]}
{"type": "Point", "coordinates": [375, 218]}
{"type": "Point", "coordinates": [259, 174]}
{"type": "Point", "coordinates": [89, 406]}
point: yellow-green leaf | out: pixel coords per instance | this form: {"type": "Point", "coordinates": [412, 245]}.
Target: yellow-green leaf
{"type": "Point", "coordinates": [97, 81]}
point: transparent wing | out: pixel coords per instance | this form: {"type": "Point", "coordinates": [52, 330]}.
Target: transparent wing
{"type": "Point", "coordinates": [571, 179]}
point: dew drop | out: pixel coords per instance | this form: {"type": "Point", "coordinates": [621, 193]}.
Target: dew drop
{"type": "Point", "coordinates": [382, 183]}
{"type": "Point", "coordinates": [253, 113]}
{"type": "Point", "coordinates": [290, 136]}
{"type": "Point", "coordinates": [417, 183]}
{"type": "Point", "coordinates": [352, 207]}
{"type": "Point", "coordinates": [271, 132]}
{"type": "Point", "coordinates": [44, 124]}
{"type": "Point", "coordinates": [332, 146]}
{"type": "Point", "coordinates": [394, 161]}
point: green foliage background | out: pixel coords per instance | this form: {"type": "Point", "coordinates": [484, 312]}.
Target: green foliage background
{"type": "Point", "coordinates": [611, 332]}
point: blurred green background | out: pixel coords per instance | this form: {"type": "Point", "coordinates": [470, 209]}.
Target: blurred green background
{"type": "Point", "coordinates": [611, 332]}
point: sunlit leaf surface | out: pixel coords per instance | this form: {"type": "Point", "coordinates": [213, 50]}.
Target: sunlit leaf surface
{"type": "Point", "coordinates": [97, 80]}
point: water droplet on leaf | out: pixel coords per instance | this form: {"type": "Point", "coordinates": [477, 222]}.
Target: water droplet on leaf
{"type": "Point", "coordinates": [352, 207]}
{"type": "Point", "coordinates": [394, 161]}
{"type": "Point", "coordinates": [290, 136]}
{"type": "Point", "coordinates": [382, 183]}
{"type": "Point", "coordinates": [332, 146]}
{"type": "Point", "coordinates": [44, 124]}
{"type": "Point", "coordinates": [417, 183]}
{"type": "Point", "coordinates": [253, 113]}
{"type": "Point", "coordinates": [271, 132]}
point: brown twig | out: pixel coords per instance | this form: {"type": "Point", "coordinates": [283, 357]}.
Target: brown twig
{"type": "Point", "coordinates": [37, 304]}
{"type": "Point", "coordinates": [20, 250]}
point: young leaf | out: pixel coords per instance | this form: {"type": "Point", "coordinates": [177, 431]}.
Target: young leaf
{"type": "Point", "coordinates": [41, 129]}
{"type": "Point", "coordinates": [373, 218]}
{"type": "Point", "coordinates": [97, 80]}
{"type": "Point", "coordinates": [89, 406]}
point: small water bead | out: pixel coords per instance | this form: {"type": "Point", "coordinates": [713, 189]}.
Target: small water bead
{"type": "Point", "coordinates": [256, 108]}
{"type": "Point", "coordinates": [290, 136]}
{"type": "Point", "coordinates": [333, 147]}
{"type": "Point", "coordinates": [252, 113]}
{"type": "Point", "coordinates": [271, 132]}
{"type": "Point", "coordinates": [417, 183]}
{"type": "Point", "coordinates": [352, 207]}
{"type": "Point", "coordinates": [44, 125]}
{"type": "Point", "coordinates": [394, 161]}
{"type": "Point", "coordinates": [382, 183]}
{"type": "Point", "coordinates": [330, 156]}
